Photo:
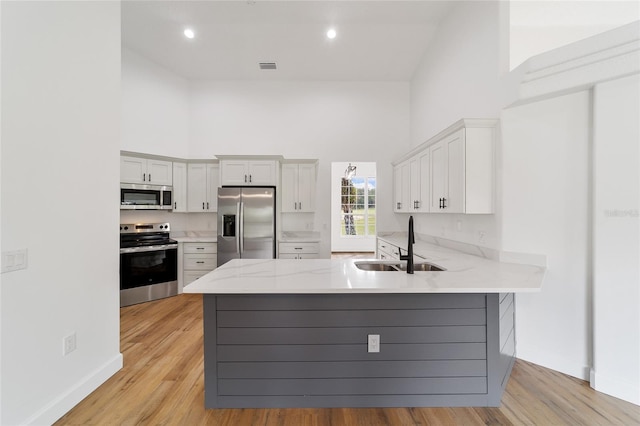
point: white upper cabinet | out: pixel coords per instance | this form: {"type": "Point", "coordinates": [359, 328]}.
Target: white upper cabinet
{"type": "Point", "coordinates": [248, 172]}
{"type": "Point", "coordinates": [411, 184]}
{"type": "Point", "coordinates": [462, 170]}
{"type": "Point", "coordinates": [146, 171]}
{"type": "Point", "coordinates": [203, 182]}
{"type": "Point", "coordinates": [452, 172]}
{"type": "Point", "coordinates": [298, 187]}
{"type": "Point", "coordinates": [179, 187]}
{"type": "Point", "coordinates": [402, 187]}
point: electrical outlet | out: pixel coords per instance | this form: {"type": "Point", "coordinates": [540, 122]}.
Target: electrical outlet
{"type": "Point", "coordinates": [481, 235]}
{"type": "Point", "coordinates": [69, 344]}
{"type": "Point", "coordinates": [373, 343]}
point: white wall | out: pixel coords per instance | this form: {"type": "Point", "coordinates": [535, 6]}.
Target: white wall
{"type": "Point", "coordinates": [616, 239]}
{"type": "Point", "coordinates": [155, 108]}
{"type": "Point", "coordinates": [60, 131]}
{"type": "Point", "coordinates": [540, 26]}
{"type": "Point", "coordinates": [330, 121]}
{"type": "Point", "coordinates": [545, 209]}
{"type": "Point", "coordinates": [459, 77]}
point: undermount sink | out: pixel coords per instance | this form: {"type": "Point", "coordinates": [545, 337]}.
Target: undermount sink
{"type": "Point", "coordinates": [375, 266]}
{"type": "Point", "coordinates": [420, 267]}
{"type": "Point", "coordinates": [397, 267]}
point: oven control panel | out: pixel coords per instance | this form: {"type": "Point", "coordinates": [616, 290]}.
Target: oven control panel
{"type": "Point", "coordinates": [138, 228]}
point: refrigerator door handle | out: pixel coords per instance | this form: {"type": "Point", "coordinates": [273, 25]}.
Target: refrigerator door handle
{"type": "Point", "coordinates": [241, 233]}
{"type": "Point", "coordinates": [238, 219]}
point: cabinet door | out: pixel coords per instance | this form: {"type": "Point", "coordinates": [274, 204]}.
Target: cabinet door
{"type": "Point", "coordinates": [289, 188]}
{"type": "Point", "coordinates": [262, 173]}
{"type": "Point", "coordinates": [213, 183]}
{"type": "Point", "coordinates": [234, 172]}
{"type": "Point", "coordinates": [424, 182]}
{"type": "Point", "coordinates": [179, 187]}
{"type": "Point", "coordinates": [133, 170]}
{"type": "Point", "coordinates": [414, 184]}
{"type": "Point", "coordinates": [438, 166]}
{"type": "Point", "coordinates": [402, 188]}
{"type": "Point", "coordinates": [455, 173]}
{"type": "Point", "coordinates": [159, 172]}
{"type": "Point", "coordinates": [306, 187]}
{"type": "Point", "coordinates": [197, 187]}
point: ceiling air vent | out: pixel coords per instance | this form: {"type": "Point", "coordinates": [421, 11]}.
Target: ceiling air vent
{"type": "Point", "coordinates": [267, 65]}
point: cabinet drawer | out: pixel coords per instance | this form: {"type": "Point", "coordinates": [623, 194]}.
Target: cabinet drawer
{"type": "Point", "coordinates": [291, 248]}
{"type": "Point", "coordinates": [200, 247]}
{"type": "Point", "coordinates": [191, 276]}
{"type": "Point", "coordinates": [200, 262]}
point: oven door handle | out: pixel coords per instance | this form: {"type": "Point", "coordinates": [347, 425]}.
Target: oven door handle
{"type": "Point", "coordinates": [149, 248]}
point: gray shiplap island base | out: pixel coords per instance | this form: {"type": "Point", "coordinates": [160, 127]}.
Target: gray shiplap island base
{"type": "Point", "coordinates": [309, 348]}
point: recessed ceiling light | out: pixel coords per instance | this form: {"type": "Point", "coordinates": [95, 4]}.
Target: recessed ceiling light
{"type": "Point", "coordinates": [188, 33]}
{"type": "Point", "coordinates": [331, 34]}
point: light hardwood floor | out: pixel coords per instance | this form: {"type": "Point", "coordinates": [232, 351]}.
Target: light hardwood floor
{"type": "Point", "coordinates": [162, 384]}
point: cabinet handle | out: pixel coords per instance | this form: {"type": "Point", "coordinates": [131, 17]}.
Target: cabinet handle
{"type": "Point", "coordinates": [175, 205]}
{"type": "Point", "coordinates": [149, 177]}
{"type": "Point", "coordinates": [203, 205]}
{"type": "Point", "coordinates": [440, 205]}
{"type": "Point", "coordinates": [200, 261]}
{"type": "Point", "coordinates": [207, 205]}
{"type": "Point", "coordinates": [144, 177]}
{"type": "Point", "coordinates": [444, 203]}
{"type": "Point", "coordinates": [297, 248]}
{"type": "Point", "coordinates": [245, 178]}
{"type": "Point", "coordinates": [199, 248]}
{"type": "Point", "coordinates": [249, 178]}
{"type": "Point", "coordinates": [398, 206]}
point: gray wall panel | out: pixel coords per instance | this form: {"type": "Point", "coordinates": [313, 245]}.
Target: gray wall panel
{"type": "Point", "coordinates": [311, 350]}
{"type": "Point", "coordinates": [353, 335]}
{"type": "Point", "coordinates": [338, 369]}
{"type": "Point", "coordinates": [354, 318]}
{"type": "Point", "coordinates": [297, 353]}
{"type": "Point", "coordinates": [377, 386]}
{"type": "Point", "coordinates": [507, 323]}
{"type": "Point", "coordinates": [285, 302]}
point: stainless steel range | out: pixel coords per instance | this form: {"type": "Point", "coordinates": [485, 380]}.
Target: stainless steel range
{"type": "Point", "coordinates": [148, 263]}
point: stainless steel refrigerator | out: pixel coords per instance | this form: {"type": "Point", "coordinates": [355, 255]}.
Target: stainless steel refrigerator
{"type": "Point", "coordinates": [246, 223]}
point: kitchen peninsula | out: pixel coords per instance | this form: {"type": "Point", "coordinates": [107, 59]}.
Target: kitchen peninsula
{"type": "Point", "coordinates": [325, 333]}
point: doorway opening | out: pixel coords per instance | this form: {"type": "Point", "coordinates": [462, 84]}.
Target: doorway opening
{"type": "Point", "coordinates": [353, 207]}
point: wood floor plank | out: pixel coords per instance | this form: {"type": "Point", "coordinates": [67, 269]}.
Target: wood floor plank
{"type": "Point", "coordinates": [162, 383]}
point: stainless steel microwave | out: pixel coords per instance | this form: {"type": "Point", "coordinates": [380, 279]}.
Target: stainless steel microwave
{"type": "Point", "coordinates": [145, 197]}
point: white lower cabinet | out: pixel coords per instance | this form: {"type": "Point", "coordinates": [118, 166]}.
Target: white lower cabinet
{"type": "Point", "coordinates": [299, 250]}
{"type": "Point", "coordinates": [198, 259]}
{"type": "Point", "coordinates": [387, 251]}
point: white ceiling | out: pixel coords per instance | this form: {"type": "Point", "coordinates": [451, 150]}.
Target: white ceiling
{"type": "Point", "coordinates": [377, 40]}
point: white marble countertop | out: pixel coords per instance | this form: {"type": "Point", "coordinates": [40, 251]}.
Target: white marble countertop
{"type": "Point", "coordinates": [463, 274]}
{"type": "Point", "coordinates": [195, 236]}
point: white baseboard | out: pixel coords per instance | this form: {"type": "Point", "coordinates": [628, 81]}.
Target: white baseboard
{"type": "Point", "coordinates": [626, 391]}
{"type": "Point", "coordinates": [65, 402]}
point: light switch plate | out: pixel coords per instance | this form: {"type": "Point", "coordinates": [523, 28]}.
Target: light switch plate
{"type": "Point", "coordinates": [14, 260]}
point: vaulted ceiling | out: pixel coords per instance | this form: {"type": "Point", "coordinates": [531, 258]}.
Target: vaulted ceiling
{"type": "Point", "coordinates": [376, 40]}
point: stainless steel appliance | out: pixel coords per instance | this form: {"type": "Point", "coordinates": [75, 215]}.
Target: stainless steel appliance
{"type": "Point", "coordinates": [148, 263]}
{"type": "Point", "coordinates": [135, 196]}
{"type": "Point", "coordinates": [246, 223]}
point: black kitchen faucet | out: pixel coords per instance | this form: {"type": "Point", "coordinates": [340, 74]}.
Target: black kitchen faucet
{"type": "Point", "coordinates": [410, 243]}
